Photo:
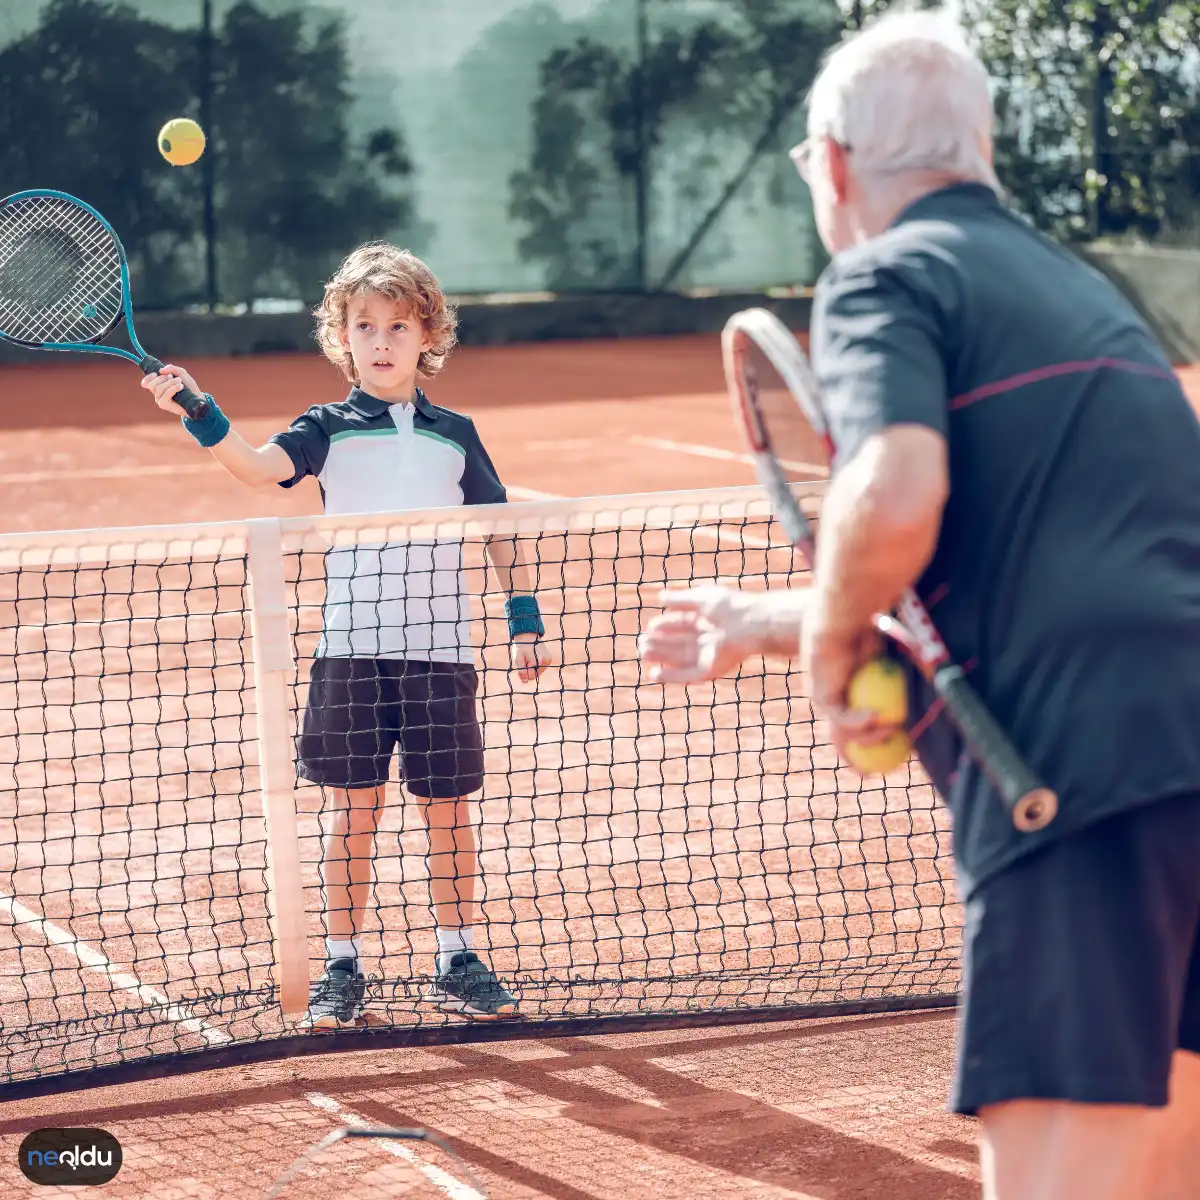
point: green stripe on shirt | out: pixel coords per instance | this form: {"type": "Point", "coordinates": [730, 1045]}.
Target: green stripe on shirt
{"type": "Point", "coordinates": [437, 437]}
{"type": "Point", "coordinates": [350, 433]}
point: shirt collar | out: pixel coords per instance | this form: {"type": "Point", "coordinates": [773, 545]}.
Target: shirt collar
{"type": "Point", "coordinates": [948, 201]}
{"type": "Point", "coordinates": [369, 406]}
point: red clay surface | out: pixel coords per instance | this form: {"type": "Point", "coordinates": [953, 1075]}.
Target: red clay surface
{"type": "Point", "coordinates": [826, 1110]}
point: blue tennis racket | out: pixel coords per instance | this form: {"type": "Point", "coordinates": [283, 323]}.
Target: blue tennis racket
{"type": "Point", "coordinates": [64, 282]}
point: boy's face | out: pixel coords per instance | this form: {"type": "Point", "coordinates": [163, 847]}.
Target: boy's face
{"type": "Point", "coordinates": [385, 339]}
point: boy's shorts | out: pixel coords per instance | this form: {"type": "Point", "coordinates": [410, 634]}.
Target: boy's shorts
{"type": "Point", "coordinates": [361, 709]}
{"type": "Point", "coordinates": [1082, 965]}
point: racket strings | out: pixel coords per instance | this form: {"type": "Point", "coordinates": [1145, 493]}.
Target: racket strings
{"type": "Point", "coordinates": [60, 272]}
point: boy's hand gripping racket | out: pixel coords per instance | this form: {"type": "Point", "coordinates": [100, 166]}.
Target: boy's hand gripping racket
{"type": "Point", "coordinates": [64, 282]}
{"type": "Point", "coordinates": [778, 407]}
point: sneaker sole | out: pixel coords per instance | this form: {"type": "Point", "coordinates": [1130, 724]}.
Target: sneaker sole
{"type": "Point", "coordinates": [331, 1021]}
{"type": "Point", "coordinates": [462, 1008]}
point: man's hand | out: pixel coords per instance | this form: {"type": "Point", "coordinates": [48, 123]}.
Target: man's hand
{"type": "Point", "coordinates": [168, 383]}
{"type": "Point", "coordinates": [706, 632]}
{"type": "Point", "coordinates": [831, 657]}
{"type": "Point", "coordinates": [529, 656]}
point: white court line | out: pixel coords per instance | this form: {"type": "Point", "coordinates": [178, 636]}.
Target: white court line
{"type": "Point", "coordinates": [95, 961]}
{"type": "Point", "coordinates": [443, 1180]}
{"type": "Point", "coordinates": [67, 474]}
{"type": "Point", "coordinates": [698, 451]}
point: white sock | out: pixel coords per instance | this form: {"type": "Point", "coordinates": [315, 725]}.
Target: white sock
{"type": "Point", "coordinates": [452, 942]}
{"type": "Point", "coordinates": [342, 948]}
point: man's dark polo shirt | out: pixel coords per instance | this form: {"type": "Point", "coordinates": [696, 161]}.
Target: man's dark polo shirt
{"type": "Point", "coordinates": [1067, 574]}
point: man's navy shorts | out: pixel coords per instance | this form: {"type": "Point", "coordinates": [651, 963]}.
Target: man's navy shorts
{"type": "Point", "coordinates": [1082, 965]}
{"type": "Point", "coordinates": [360, 710]}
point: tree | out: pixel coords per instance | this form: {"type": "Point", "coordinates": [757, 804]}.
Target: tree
{"type": "Point", "coordinates": [703, 100]}
{"type": "Point", "coordinates": [293, 193]}
{"type": "Point", "coordinates": [82, 98]}
{"type": "Point", "coordinates": [1098, 112]}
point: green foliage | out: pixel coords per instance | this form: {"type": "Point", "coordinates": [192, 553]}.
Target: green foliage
{"type": "Point", "coordinates": [712, 76]}
{"type": "Point", "coordinates": [82, 98]}
{"type": "Point", "coordinates": [1098, 105]}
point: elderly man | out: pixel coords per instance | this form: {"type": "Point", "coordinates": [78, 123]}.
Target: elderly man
{"type": "Point", "coordinates": [1012, 441]}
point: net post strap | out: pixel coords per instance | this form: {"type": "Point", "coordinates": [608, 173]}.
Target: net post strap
{"type": "Point", "coordinates": [273, 664]}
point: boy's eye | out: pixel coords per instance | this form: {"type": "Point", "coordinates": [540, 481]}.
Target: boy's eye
{"type": "Point", "coordinates": [363, 325]}
{"type": "Point", "coordinates": [399, 326]}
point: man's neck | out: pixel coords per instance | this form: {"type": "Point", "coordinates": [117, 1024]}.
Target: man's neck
{"type": "Point", "coordinates": [900, 192]}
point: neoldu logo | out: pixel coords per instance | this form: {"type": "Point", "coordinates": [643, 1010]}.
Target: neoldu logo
{"type": "Point", "coordinates": [83, 1157]}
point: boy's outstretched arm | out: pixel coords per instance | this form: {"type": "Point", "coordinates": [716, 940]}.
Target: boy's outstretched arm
{"type": "Point", "coordinates": [248, 464]}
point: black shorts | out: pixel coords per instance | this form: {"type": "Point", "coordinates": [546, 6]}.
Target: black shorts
{"type": "Point", "coordinates": [1082, 965]}
{"type": "Point", "coordinates": [360, 709]}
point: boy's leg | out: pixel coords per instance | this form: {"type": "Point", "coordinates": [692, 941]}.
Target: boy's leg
{"type": "Point", "coordinates": [442, 748]}
{"type": "Point", "coordinates": [346, 743]}
{"type": "Point", "coordinates": [453, 869]}
{"type": "Point", "coordinates": [351, 822]}
{"type": "Point", "coordinates": [1076, 998]}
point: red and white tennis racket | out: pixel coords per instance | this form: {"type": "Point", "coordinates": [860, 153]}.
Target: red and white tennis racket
{"type": "Point", "coordinates": [777, 405]}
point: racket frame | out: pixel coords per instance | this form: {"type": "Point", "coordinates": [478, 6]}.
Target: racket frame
{"type": "Point", "coordinates": [1030, 803]}
{"type": "Point", "coordinates": [195, 406]}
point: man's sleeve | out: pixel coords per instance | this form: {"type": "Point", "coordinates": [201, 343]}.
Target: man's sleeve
{"type": "Point", "coordinates": [877, 354]}
{"type": "Point", "coordinates": [306, 441]}
{"type": "Point", "coordinates": [480, 483]}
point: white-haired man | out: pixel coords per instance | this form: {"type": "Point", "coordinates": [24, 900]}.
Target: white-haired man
{"type": "Point", "coordinates": [1011, 440]}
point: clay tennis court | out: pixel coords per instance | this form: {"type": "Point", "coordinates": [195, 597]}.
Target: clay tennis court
{"type": "Point", "coordinates": [834, 1108]}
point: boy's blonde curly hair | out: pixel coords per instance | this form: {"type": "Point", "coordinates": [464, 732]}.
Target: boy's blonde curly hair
{"type": "Point", "coordinates": [386, 270]}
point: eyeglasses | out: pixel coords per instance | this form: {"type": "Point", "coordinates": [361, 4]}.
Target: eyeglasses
{"type": "Point", "coordinates": [801, 156]}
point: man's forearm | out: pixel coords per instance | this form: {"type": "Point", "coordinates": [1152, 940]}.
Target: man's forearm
{"type": "Point", "coordinates": [878, 532]}
{"type": "Point", "coordinates": [773, 621]}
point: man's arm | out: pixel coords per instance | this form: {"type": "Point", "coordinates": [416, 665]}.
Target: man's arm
{"type": "Point", "coordinates": [879, 527]}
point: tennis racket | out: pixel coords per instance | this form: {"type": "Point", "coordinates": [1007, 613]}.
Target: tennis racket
{"type": "Point", "coordinates": [777, 405]}
{"type": "Point", "coordinates": [64, 282]}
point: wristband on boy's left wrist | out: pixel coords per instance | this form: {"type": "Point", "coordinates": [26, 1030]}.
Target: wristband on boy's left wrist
{"type": "Point", "coordinates": [524, 616]}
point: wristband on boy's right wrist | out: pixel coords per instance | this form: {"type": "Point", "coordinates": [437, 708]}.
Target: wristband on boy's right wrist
{"type": "Point", "coordinates": [210, 428]}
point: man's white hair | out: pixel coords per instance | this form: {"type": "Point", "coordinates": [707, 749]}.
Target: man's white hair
{"type": "Point", "coordinates": [907, 94]}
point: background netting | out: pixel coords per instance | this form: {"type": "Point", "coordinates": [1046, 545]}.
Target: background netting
{"type": "Point", "coordinates": [644, 851]}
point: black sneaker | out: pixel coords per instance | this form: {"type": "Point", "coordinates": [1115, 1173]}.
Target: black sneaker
{"type": "Point", "coordinates": [335, 1001]}
{"type": "Point", "coordinates": [469, 987]}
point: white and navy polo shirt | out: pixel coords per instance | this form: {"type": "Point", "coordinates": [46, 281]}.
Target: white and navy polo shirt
{"type": "Point", "coordinates": [402, 599]}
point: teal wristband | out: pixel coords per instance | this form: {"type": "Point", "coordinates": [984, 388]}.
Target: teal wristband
{"type": "Point", "coordinates": [210, 428]}
{"type": "Point", "coordinates": [524, 616]}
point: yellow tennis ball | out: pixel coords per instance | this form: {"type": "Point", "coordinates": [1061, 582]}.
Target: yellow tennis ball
{"type": "Point", "coordinates": [880, 687]}
{"type": "Point", "coordinates": [181, 141]}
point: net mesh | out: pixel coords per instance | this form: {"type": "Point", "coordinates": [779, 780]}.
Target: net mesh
{"type": "Point", "coordinates": [643, 852]}
{"type": "Point", "coordinates": [60, 272]}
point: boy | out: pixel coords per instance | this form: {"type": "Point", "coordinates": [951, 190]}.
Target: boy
{"type": "Point", "coordinates": [395, 664]}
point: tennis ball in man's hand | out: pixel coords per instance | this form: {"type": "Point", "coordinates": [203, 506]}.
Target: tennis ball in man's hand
{"type": "Point", "coordinates": [880, 687]}
{"type": "Point", "coordinates": [181, 141]}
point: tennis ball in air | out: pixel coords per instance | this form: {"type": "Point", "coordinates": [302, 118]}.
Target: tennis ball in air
{"type": "Point", "coordinates": [880, 687]}
{"type": "Point", "coordinates": [181, 141]}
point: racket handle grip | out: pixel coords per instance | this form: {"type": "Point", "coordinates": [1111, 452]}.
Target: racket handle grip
{"type": "Point", "coordinates": [1030, 803]}
{"type": "Point", "coordinates": [195, 406]}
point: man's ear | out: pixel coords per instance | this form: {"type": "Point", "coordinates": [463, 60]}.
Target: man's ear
{"type": "Point", "coordinates": [837, 155]}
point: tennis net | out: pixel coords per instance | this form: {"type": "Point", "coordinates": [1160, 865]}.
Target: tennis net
{"type": "Point", "coordinates": [647, 854]}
